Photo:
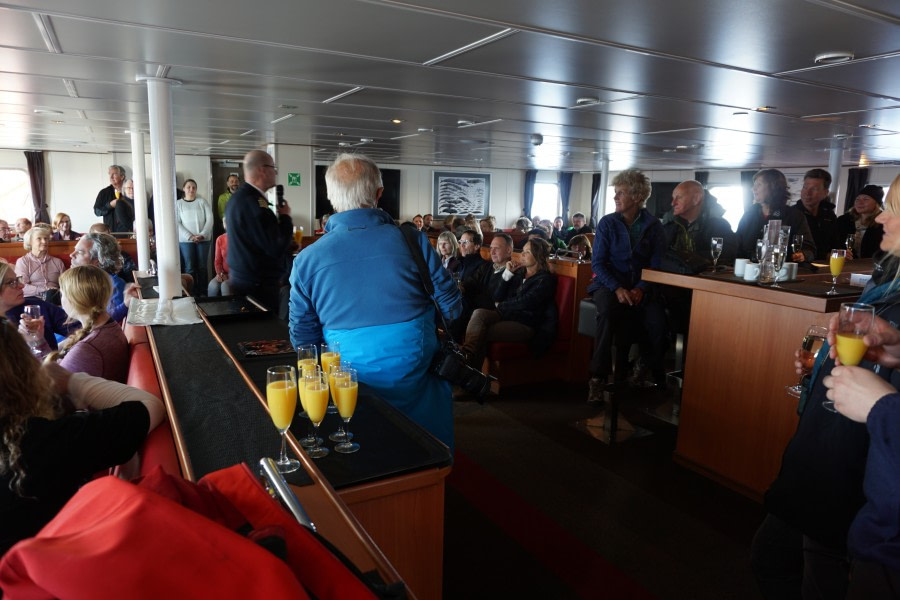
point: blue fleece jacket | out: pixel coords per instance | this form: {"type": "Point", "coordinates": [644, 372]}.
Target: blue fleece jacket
{"type": "Point", "coordinates": [615, 263]}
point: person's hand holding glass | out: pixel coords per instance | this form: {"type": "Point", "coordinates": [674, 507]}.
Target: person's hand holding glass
{"type": "Point", "coordinates": [855, 320]}
{"type": "Point", "coordinates": [806, 356]}
{"type": "Point", "coordinates": [33, 325]}
{"type": "Point", "coordinates": [346, 392]}
{"type": "Point", "coordinates": [281, 396]}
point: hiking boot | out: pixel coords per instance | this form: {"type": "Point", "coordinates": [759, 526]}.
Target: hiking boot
{"type": "Point", "coordinates": [596, 387]}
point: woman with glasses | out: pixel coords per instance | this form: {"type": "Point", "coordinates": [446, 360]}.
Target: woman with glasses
{"type": "Point", "coordinates": [57, 429]}
{"type": "Point", "coordinates": [62, 229]}
{"type": "Point", "coordinates": [54, 320]}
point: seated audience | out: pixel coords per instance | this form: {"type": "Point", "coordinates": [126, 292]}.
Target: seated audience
{"type": "Point", "coordinates": [860, 223]}
{"type": "Point", "coordinates": [626, 242]}
{"type": "Point", "coordinates": [23, 224]}
{"type": "Point", "coordinates": [486, 225]}
{"type": "Point", "coordinates": [58, 429]}
{"type": "Point", "coordinates": [818, 209]}
{"type": "Point", "coordinates": [770, 196]}
{"type": "Point", "coordinates": [5, 231]}
{"type": "Point", "coordinates": [479, 290]}
{"type": "Point", "coordinates": [218, 285]}
{"type": "Point", "coordinates": [523, 225]}
{"type": "Point", "coordinates": [102, 250]}
{"type": "Point", "coordinates": [558, 224]}
{"type": "Point", "coordinates": [817, 500]}
{"type": "Point", "coordinates": [696, 218]}
{"type": "Point", "coordinates": [128, 264]}
{"type": "Point", "coordinates": [525, 293]}
{"type": "Point", "coordinates": [448, 250]}
{"type": "Point", "coordinates": [579, 227]}
{"type": "Point", "coordinates": [323, 221]}
{"type": "Point", "coordinates": [470, 253]}
{"type": "Point", "coordinates": [62, 229]}
{"type": "Point", "coordinates": [39, 270]}
{"type": "Point", "coordinates": [54, 319]}
{"type": "Point", "coordinates": [580, 243]}
{"type": "Point", "coordinates": [427, 221]}
{"type": "Point", "coordinates": [459, 226]}
{"type": "Point", "coordinates": [100, 347]}
{"type": "Point", "coordinates": [418, 222]}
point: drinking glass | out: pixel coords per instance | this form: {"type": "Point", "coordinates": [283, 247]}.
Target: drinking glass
{"type": "Point", "coordinates": [337, 374]}
{"type": "Point", "coordinates": [347, 388]}
{"type": "Point", "coordinates": [797, 243]}
{"type": "Point", "coordinates": [307, 370]}
{"type": "Point", "coordinates": [307, 362]}
{"type": "Point", "coordinates": [855, 321]}
{"type": "Point", "coordinates": [316, 398]}
{"type": "Point", "coordinates": [836, 262]}
{"type": "Point", "coordinates": [34, 341]}
{"type": "Point", "coordinates": [281, 395]}
{"type": "Point", "coordinates": [760, 249]}
{"type": "Point", "coordinates": [330, 354]}
{"type": "Point", "coordinates": [715, 249]}
{"type": "Point", "coordinates": [850, 241]}
{"type": "Point", "coordinates": [779, 251]}
{"type": "Point", "coordinates": [809, 351]}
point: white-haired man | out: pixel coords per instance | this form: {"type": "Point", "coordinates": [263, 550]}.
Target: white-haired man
{"type": "Point", "coordinates": [258, 239]}
{"type": "Point", "coordinates": [359, 286]}
{"type": "Point", "coordinates": [111, 204]}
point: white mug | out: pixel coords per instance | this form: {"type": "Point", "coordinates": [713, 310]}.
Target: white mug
{"type": "Point", "coordinates": [751, 272]}
{"type": "Point", "coordinates": [788, 272]}
{"type": "Point", "coordinates": [740, 264]}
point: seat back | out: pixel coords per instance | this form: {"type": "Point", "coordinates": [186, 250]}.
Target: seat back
{"type": "Point", "coordinates": [565, 305]}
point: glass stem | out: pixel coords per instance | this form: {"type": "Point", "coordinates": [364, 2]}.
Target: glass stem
{"type": "Point", "coordinates": [283, 458]}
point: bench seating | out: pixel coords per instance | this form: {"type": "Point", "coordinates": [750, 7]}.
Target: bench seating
{"type": "Point", "coordinates": [159, 447]}
{"type": "Point", "coordinates": [512, 363]}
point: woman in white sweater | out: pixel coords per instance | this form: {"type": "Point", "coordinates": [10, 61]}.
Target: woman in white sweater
{"type": "Point", "coordinates": [195, 224]}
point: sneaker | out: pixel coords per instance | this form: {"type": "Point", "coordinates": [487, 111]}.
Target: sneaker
{"type": "Point", "coordinates": [596, 387]}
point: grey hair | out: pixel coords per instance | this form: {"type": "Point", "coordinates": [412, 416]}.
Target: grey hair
{"type": "Point", "coordinates": [105, 250]}
{"type": "Point", "coordinates": [118, 168]}
{"type": "Point", "coordinates": [353, 181]}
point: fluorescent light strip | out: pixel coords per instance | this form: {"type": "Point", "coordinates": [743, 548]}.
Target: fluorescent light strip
{"type": "Point", "coordinates": [225, 142]}
{"type": "Point", "coordinates": [280, 119]}
{"type": "Point", "coordinates": [477, 124]}
{"type": "Point", "coordinates": [248, 132]}
{"type": "Point", "coordinates": [162, 71]}
{"type": "Point", "coordinates": [672, 130]}
{"type": "Point", "coordinates": [477, 44]}
{"type": "Point", "coordinates": [46, 28]}
{"type": "Point", "coordinates": [70, 88]}
{"type": "Point", "coordinates": [400, 137]}
{"type": "Point", "coordinates": [81, 114]}
{"type": "Point", "coordinates": [343, 95]}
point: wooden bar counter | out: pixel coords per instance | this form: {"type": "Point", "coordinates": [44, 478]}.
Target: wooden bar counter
{"type": "Point", "coordinates": [736, 417]}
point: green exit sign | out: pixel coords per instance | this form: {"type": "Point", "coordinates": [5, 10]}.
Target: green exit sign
{"type": "Point", "coordinates": [294, 179]}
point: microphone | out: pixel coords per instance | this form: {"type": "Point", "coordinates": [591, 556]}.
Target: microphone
{"type": "Point", "coordinates": [279, 194]}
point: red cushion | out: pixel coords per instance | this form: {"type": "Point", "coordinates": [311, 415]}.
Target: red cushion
{"type": "Point", "coordinates": [141, 370]}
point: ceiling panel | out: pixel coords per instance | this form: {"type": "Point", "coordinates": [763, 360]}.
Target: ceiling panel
{"type": "Point", "coordinates": [19, 29]}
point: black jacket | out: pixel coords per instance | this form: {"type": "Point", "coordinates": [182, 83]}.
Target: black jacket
{"type": "Point", "coordinates": [751, 226]}
{"type": "Point", "coordinates": [526, 300]}
{"type": "Point", "coordinates": [696, 237]}
{"type": "Point", "coordinates": [871, 241]}
{"type": "Point", "coordinates": [823, 227]}
{"type": "Point", "coordinates": [119, 217]}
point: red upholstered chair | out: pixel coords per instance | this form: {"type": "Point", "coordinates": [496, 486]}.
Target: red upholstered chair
{"type": "Point", "coordinates": [512, 363]}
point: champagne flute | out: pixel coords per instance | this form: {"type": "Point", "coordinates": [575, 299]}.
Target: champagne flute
{"type": "Point", "coordinates": [316, 398]}
{"type": "Point", "coordinates": [337, 374]}
{"type": "Point", "coordinates": [850, 242]}
{"type": "Point", "coordinates": [281, 395]}
{"type": "Point", "coordinates": [33, 311]}
{"type": "Point", "coordinates": [715, 249]}
{"type": "Point", "coordinates": [797, 243]}
{"type": "Point", "coordinates": [809, 351]}
{"type": "Point", "coordinates": [854, 322]}
{"type": "Point", "coordinates": [307, 364]}
{"type": "Point", "coordinates": [760, 250]}
{"type": "Point", "coordinates": [330, 354]}
{"type": "Point", "coordinates": [836, 262]}
{"type": "Point", "coordinates": [779, 251]}
{"type": "Point", "coordinates": [347, 388]}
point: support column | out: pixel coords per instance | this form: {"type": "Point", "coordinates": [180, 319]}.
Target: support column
{"type": "Point", "coordinates": [162, 154]}
{"type": "Point", "coordinates": [141, 221]}
{"type": "Point", "coordinates": [835, 160]}
{"type": "Point", "coordinates": [599, 208]}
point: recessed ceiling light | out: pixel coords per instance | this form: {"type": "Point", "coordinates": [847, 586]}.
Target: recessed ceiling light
{"type": "Point", "coordinates": [833, 57]}
{"type": "Point", "coordinates": [396, 121]}
{"type": "Point", "coordinates": [869, 126]}
{"type": "Point", "coordinates": [47, 111]}
{"type": "Point", "coordinates": [669, 150]}
{"type": "Point", "coordinates": [587, 101]}
{"type": "Point", "coordinates": [681, 147]}
{"type": "Point", "coordinates": [57, 122]}
{"type": "Point", "coordinates": [287, 106]}
{"type": "Point", "coordinates": [366, 140]}
{"type": "Point", "coordinates": [424, 129]}
{"type": "Point", "coordinates": [766, 108]}
{"type": "Point", "coordinates": [343, 144]}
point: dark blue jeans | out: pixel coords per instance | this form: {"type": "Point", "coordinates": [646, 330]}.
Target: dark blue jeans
{"type": "Point", "coordinates": [194, 256]}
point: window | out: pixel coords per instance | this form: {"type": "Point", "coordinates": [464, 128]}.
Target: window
{"type": "Point", "coordinates": [731, 198]}
{"type": "Point", "coordinates": [546, 201]}
{"type": "Point", "coordinates": [15, 195]}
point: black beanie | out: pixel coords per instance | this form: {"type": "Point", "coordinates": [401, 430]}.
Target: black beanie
{"type": "Point", "coordinates": [873, 191]}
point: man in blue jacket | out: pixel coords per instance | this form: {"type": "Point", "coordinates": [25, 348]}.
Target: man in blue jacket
{"type": "Point", "coordinates": [359, 286]}
{"type": "Point", "coordinates": [626, 242]}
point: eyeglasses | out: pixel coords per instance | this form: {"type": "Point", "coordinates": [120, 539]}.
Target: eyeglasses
{"type": "Point", "coordinates": [273, 167]}
{"type": "Point", "coordinates": [465, 242]}
{"type": "Point", "coordinates": [14, 283]}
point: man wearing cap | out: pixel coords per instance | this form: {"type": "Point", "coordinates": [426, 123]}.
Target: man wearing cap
{"type": "Point", "coordinates": [819, 213]}
{"type": "Point", "coordinates": [860, 223]}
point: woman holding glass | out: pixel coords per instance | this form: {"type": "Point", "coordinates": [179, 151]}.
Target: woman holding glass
{"type": "Point", "coordinates": [39, 271]}
{"type": "Point", "coordinates": [770, 196]}
{"type": "Point", "coordinates": [802, 543]}
{"type": "Point", "coordinates": [58, 429]}
{"type": "Point", "coordinates": [194, 218]}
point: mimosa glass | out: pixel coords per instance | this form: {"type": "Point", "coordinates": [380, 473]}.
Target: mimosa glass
{"type": "Point", "coordinates": [330, 354]}
{"type": "Point", "coordinates": [311, 440]}
{"type": "Point", "coordinates": [316, 399]}
{"type": "Point", "coordinates": [281, 395]}
{"type": "Point", "coordinates": [809, 350]}
{"type": "Point", "coordinates": [337, 373]}
{"type": "Point", "coordinates": [836, 262]}
{"type": "Point", "coordinates": [347, 392]}
{"type": "Point", "coordinates": [855, 321]}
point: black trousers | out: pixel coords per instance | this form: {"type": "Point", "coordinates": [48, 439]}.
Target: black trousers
{"type": "Point", "coordinates": [645, 322]}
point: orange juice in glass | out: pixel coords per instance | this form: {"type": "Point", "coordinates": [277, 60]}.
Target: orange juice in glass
{"type": "Point", "coordinates": [330, 354]}
{"type": "Point", "coordinates": [316, 398]}
{"type": "Point", "coordinates": [854, 322]}
{"type": "Point", "coordinates": [836, 263]}
{"type": "Point", "coordinates": [281, 396]}
{"type": "Point", "coordinates": [347, 392]}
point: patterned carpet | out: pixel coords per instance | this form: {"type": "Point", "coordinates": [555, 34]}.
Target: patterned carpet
{"type": "Point", "coordinates": [537, 508]}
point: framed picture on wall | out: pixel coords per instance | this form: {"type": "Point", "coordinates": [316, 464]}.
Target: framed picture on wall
{"type": "Point", "coordinates": [460, 194]}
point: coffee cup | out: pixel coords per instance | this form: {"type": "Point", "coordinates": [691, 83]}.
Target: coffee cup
{"type": "Point", "coordinates": [751, 272]}
{"type": "Point", "coordinates": [740, 265]}
{"type": "Point", "coordinates": [788, 272]}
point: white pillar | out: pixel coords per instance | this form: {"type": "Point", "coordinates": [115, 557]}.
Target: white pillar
{"type": "Point", "coordinates": [835, 159]}
{"type": "Point", "coordinates": [601, 193]}
{"type": "Point", "coordinates": [162, 155]}
{"type": "Point", "coordinates": [140, 200]}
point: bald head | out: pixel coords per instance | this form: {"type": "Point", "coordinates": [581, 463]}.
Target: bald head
{"type": "Point", "coordinates": [687, 200]}
{"type": "Point", "coordinates": [259, 169]}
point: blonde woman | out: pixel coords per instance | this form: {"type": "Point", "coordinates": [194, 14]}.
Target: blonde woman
{"type": "Point", "coordinates": [62, 229]}
{"type": "Point", "coordinates": [39, 271]}
{"type": "Point", "coordinates": [99, 348]}
{"type": "Point", "coordinates": [448, 250]}
{"type": "Point", "coordinates": [47, 449]}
